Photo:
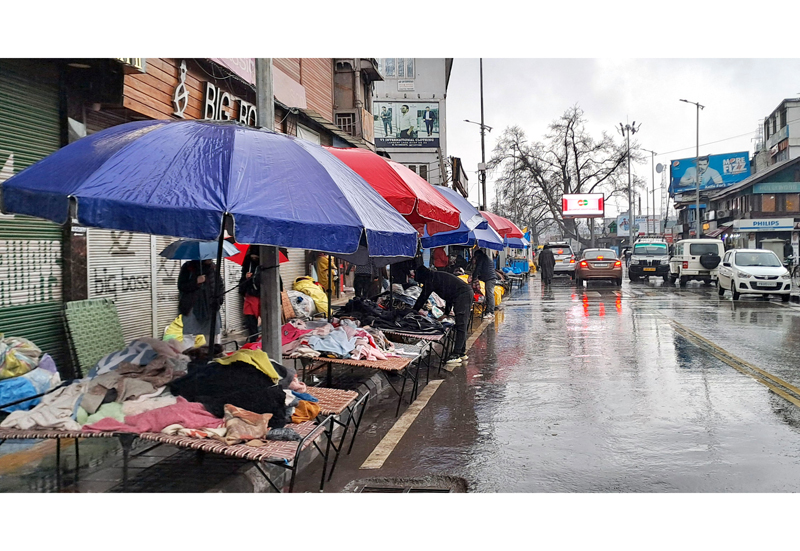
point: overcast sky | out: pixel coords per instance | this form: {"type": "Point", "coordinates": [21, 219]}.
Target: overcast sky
{"type": "Point", "coordinates": [737, 94]}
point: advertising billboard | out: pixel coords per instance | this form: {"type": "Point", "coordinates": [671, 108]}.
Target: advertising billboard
{"type": "Point", "coordinates": [406, 124]}
{"type": "Point", "coordinates": [582, 205]}
{"type": "Point", "coordinates": [623, 225]}
{"type": "Point", "coordinates": [717, 171]}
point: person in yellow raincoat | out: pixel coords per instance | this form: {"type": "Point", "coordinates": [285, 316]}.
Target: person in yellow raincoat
{"type": "Point", "coordinates": [323, 267]}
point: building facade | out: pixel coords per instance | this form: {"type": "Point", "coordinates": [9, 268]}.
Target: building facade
{"type": "Point", "coordinates": [410, 114]}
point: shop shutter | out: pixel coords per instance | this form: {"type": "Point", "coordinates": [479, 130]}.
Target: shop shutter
{"type": "Point", "coordinates": [120, 268]}
{"type": "Point", "coordinates": [232, 320]}
{"type": "Point", "coordinates": [30, 248]}
{"type": "Point", "coordinates": [166, 285]}
{"type": "Point", "coordinates": [293, 269]}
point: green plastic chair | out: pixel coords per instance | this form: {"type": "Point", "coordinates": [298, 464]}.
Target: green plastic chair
{"type": "Point", "coordinates": [94, 331]}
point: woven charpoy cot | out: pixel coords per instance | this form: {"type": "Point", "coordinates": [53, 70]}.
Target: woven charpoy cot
{"type": "Point", "coordinates": [446, 339]}
{"type": "Point", "coordinates": [333, 401]}
{"type": "Point", "coordinates": [284, 454]}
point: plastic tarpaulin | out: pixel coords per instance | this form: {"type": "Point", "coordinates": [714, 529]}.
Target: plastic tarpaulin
{"type": "Point", "coordinates": [470, 220]}
{"type": "Point", "coordinates": [413, 197]}
{"type": "Point", "coordinates": [503, 226]}
{"type": "Point", "coordinates": [179, 178]}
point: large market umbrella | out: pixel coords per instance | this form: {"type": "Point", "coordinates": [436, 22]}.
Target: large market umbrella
{"type": "Point", "coordinates": [241, 249]}
{"type": "Point", "coordinates": [488, 239]}
{"type": "Point", "coordinates": [516, 242]}
{"type": "Point", "coordinates": [470, 219]}
{"type": "Point", "coordinates": [194, 249]}
{"type": "Point", "coordinates": [413, 197]}
{"type": "Point", "coordinates": [503, 226]}
{"type": "Point", "coordinates": [183, 178]}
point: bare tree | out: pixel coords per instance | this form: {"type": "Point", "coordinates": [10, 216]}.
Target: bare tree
{"type": "Point", "coordinates": [532, 177]}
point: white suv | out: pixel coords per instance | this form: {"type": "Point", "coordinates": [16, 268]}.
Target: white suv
{"type": "Point", "coordinates": [565, 258]}
{"type": "Point", "coordinates": [756, 271]}
{"type": "Point", "coordinates": [695, 259]}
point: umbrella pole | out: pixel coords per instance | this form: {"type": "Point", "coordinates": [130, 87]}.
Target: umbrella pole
{"type": "Point", "coordinates": [215, 304]}
{"type": "Point", "coordinates": [391, 291]}
{"type": "Point", "coordinates": [330, 284]}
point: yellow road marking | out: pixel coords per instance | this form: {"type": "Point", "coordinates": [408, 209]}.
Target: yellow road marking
{"type": "Point", "coordinates": [732, 360]}
{"type": "Point", "coordinates": [382, 451]}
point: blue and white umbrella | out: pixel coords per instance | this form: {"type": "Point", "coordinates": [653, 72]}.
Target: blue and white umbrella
{"type": "Point", "coordinates": [193, 249]}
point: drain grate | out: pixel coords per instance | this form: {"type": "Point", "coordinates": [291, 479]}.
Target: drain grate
{"type": "Point", "coordinates": [433, 484]}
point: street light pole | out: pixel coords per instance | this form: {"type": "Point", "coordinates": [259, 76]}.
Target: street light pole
{"type": "Point", "coordinates": [653, 170]}
{"type": "Point", "coordinates": [626, 130]}
{"type": "Point", "coordinates": [697, 176]}
{"type": "Point", "coordinates": [484, 128]}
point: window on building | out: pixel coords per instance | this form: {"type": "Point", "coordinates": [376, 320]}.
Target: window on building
{"type": "Point", "coordinates": [774, 124]}
{"type": "Point", "coordinates": [413, 168]}
{"type": "Point", "coordinates": [423, 171]}
{"type": "Point", "coordinates": [793, 202]}
{"type": "Point", "coordinates": [399, 67]}
{"type": "Point", "coordinates": [346, 122]}
{"type": "Point", "coordinates": [783, 117]}
{"type": "Point", "coordinates": [754, 202]}
{"type": "Point", "coordinates": [766, 129]}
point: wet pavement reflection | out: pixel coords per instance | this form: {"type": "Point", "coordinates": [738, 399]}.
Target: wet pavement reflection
{"type": "Point", "coordinates": [593, 389]}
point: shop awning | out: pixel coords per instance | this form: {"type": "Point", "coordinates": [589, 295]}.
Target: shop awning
{"type": "Point", "coordinates": [503, 226]}
{"type": "Point", "coordinates": [718, 232]}
{"type": "Point", "coordinates": [413, 197]}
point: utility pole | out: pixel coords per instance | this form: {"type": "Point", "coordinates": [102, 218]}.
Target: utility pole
{"type": "Point", "coordinates": [483, 145]}
{"type": "Point", "coordinates": [697, 175]}
{"type": "Point", "coordinates": [268, 255]}
{"type": "Point", "coordinates": [626, 130]}
{"type": "Point", "coordinates": [653, 170]}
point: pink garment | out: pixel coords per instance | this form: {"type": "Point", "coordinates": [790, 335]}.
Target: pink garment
{"type": "Point", "coordinates": [366, 352]}
{"type": "Point", "coordinates": [291, 333]}
{"type": "Point", "coordinates": [298, 386]}
{"type": "Point", "coordinates": [190, 415]}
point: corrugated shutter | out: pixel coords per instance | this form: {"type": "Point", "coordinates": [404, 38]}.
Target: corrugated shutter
{"type": "Point", "coordinates": [166, 285]}
{"type": "Point", "coordinates": [232, 319]}
{"type": "Point", "coordinates": [293, 269]}
{"type": "Point", "coordinates": [30, 248]}
{"type": "Point", "coordinates": [120, 268]}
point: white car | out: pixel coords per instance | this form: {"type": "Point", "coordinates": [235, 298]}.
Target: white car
{"type": "Point", "coordinates": [754, 271]}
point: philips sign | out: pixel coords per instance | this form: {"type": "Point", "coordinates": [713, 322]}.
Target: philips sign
{"type": "Point", "coordinates": [773, 224]}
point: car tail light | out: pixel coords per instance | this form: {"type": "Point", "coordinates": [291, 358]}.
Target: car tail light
{"type": "Point", "coordinates": [618, 264]}
{"type": "Point", "coordinates": [685, 265]}
{"type": "Point", "coordinates": [599, 258]}
{"type": "Point", "coordinates": [560, 251]}
{"type": "Point", "coordinates": [572, 260]}
{"type": "Point", "coordinates": [584, 264]}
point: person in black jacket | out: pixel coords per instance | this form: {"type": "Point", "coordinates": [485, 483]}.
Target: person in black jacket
{"type": "Point", "coordinates": [457, 295]}
{"type": "Point", "coordinates": [200, 295]}
{"type": "Point", "coordinates": [484, 271]}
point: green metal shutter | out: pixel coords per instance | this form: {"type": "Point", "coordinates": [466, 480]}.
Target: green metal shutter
{"type": "Point", "coordinates": [30, 248]}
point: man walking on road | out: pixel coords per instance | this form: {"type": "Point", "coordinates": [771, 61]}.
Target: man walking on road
{"type": "Point", "coordinates": [484, 271]}
{"type": "Point", "coordinates": [547, 263]}
{"type": "Point", "coordinates": [457, 295]}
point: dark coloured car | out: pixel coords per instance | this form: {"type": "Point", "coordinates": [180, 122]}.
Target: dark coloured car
{"type": "Point", "coordinates": [649, 258]}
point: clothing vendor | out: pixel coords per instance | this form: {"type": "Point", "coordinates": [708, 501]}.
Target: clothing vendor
{"type": "Point", "coordinates": [457, 295]}
{"type": "Point", "coordinates": [200, 294]}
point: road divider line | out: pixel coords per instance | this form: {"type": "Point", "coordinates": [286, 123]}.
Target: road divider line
{"type": "Point", "coordinates": [387, 445]}
{"type": "Point", "coordinates": [763, 377]}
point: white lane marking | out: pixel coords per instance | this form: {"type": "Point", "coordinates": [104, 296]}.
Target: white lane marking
{"type": "Point", "coordinates": [387, 445]}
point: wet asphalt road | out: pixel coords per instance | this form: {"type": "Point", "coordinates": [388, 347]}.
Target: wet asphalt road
{"type": "Point", "coordinates": [597, 390]}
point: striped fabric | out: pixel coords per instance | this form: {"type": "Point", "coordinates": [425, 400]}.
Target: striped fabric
{"type": "Point", "coordinates": [273, 451]}
{"type": "Point", "coordinates": [332, 401]}
{"type": "Point", "coordinates": [389, 364]}
{"type": "Point", "coordinates": [401, 334]}
{"type": "Point", "coordinates": [36, 434]}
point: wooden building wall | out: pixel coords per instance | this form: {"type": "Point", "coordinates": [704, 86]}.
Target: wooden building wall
{"type": "Point", "coordinates": [316, 76]}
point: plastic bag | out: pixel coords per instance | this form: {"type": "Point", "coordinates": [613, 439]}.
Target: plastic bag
{"type": "Point", "coordinates": [17, 357]}
{"type": "Point", "coordinates": [302, 304]}
{"type": "Point", "coordinates": [36, 381]}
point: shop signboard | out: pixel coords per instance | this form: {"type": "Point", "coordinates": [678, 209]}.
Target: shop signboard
{"type": "Point", "coordinates": [623, 225]}
{"type": "Point", "coordinates": [764, 224]}
{"type": "Point", "coordinates": [582, 205]}
{"type": "Point", "coordinates": [717, 172]}
{"type": "Point", "coordinates": [406, 124]}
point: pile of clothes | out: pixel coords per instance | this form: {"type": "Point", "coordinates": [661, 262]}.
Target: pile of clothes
{"type": "Point", "coordinates": [344, 338]}
{"type": "Point", "coordinates": [242, 397]}
{"type": "Point", "coordinates": [370, 313]}
{"type": "Point", "coordinates": [24, 371]}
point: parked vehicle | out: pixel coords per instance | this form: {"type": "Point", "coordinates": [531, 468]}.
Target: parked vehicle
{"type": "Point", "coordinates": [600, 264]}
{"type": "Point", "coordinates": [650, 257]}
{"type": "Point", "coordinates": [754, 271]}
{"type": "Point", "coordinates": [565, 258]}
{"type": "Point", "coordinates": [697, 259]}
